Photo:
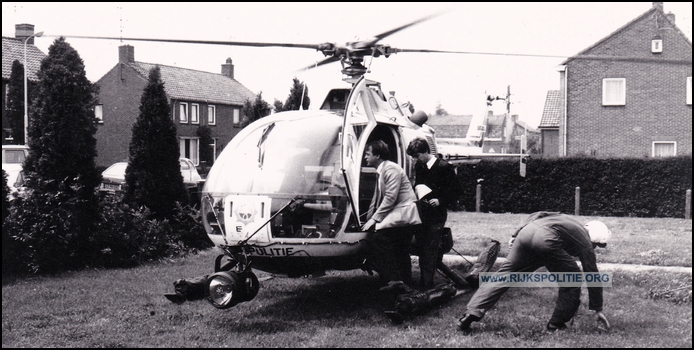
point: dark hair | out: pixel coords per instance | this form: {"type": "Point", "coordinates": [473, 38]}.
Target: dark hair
{"type": "Point", "coordinates": [379, 148]}
{"type": "Point", "coordinates": [416, 146]}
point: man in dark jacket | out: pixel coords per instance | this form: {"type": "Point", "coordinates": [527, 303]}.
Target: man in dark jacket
{"type": "Point", "coordinates": [438, 176]}
{"type": "Point", "coordinates": [552, 240]}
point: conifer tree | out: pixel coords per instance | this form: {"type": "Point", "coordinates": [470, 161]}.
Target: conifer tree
{"type": "Point", "coordinates": [153, 176]}
{"type": "Point", "coordinates": [295, 97]}
{"type": "Point", "coordinates": [256, 109]}
{"type": "Point", "coordinates": [61, 211]}
{"type": "Point", "coordinates": [14, 109]}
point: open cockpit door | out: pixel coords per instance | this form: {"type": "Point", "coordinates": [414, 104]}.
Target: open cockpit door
{"type": "Point", "coordinates": [358, 122]}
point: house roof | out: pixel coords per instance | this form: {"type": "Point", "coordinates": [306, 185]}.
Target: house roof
{"type": "Point", "coordinates": [550, 115]}
{"type": "Point", "coordinates": [450, 125]}
{"type": "Point", "coordinates": [194, 85]}
{"type": "Point", "coordinates": [13, 49]}
{"type": "Point", "coordinates": [651, 11]}
{"type": "Point", "coordinates": [440, 120]}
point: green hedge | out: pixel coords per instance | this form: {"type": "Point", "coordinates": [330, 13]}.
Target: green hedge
{"type": "Point", "coordinates": [651, 187]}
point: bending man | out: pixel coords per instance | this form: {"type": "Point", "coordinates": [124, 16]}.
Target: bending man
{"type": "Point", "coordinates": [552, 240]}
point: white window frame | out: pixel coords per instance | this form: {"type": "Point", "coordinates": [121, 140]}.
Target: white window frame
{"type": "Point", "coordinates": [99, 113]}
{"type": "Point", "coordinates": [194, 113]}
{"type": "Point", "coordinates": [236, 119]}
{"type": "Point", "coordinates": [689, 91]}
{"type": "Point", "coordinates": [610, 95]}
{"type": "Point", "coordinates": [214, 149]}
{"type": "Point", "coordinates": [183, 112]}
{"type": "Point", "coordinates": [657, 45]}
{"type": "Point", "coordinates": [211, 115]}
{"type": "Point", "coordinates": [194, 143]}
{"type": "Point", "coordinates": [674, 143]}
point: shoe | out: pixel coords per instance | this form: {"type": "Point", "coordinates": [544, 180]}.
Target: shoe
{"type": "Point", "coordinates": [465, 322]}
{"type": "Point", "coordinates": [552, 327]}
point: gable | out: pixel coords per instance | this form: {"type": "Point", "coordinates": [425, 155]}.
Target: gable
{"type": "Point", "coordinates": [633, 40]}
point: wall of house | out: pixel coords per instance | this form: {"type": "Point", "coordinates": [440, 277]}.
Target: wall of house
{"type": "Point", "coordinates": [120, 92]}
{"type": "Point", "coordinates": [550, 139]}
{"type": "Point", "coordinates": [222, 131]}
{"type": "Point", "coordinates": [655, 108]}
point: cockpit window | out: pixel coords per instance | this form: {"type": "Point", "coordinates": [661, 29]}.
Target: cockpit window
{"type": "Point", "coordinates": [288, 157]}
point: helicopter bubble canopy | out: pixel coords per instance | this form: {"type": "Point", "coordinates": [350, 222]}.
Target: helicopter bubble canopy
{"type": "Point", "coordinates": [271, 162]}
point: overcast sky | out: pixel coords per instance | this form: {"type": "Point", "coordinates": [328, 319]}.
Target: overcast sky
{"type": "Point", "coordinates": [458, 82]}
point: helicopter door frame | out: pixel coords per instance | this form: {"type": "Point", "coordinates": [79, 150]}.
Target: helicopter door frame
{"type": "Point", "coordinates": [359, 105]}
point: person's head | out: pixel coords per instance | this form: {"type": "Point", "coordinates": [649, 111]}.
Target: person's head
{"type": "Point", "coordinates": [376, 152]}
{"type": "Point", "coordinates": [419, 149]}
{"type": "Point", "coordinates": [599, 233]}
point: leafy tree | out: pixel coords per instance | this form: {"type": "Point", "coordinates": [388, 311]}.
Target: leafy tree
{"type": "Point", "coordinates": [256, 109]}
{"type": "Point", "coordinates": [153, 176]}
{"type": "Point", "coordinates": [278, 106]}
{"type": "Point", "coordinates": [206, 152]}
{"type": "Point", "coordinates": [295, 95]}
{"type": "Point", "coordinates": [440, 110]}
{"type": "Point", "coordinates": [60, 211]}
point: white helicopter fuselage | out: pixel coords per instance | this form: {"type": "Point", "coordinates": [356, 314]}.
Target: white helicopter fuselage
{"type": "Point", "coordinates": [291, 190]}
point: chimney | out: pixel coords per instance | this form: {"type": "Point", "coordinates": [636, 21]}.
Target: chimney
{"type": "Point", "coordinates": [23, 31]}
{"type": "Point", "coordinates": [658, 5]}
{"type": "Point", "coordinates": [126, 53]}
{"type": "Point", "coordinates": [671, 17]}
{"type": "Point", "coordinates": [228, 69]}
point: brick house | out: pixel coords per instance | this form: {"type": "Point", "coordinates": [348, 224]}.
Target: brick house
{"type": "Point", "coordinates": [13, 50]}
{"type": "Point", "coordinates": [638, 104]}
{"type": "Point", "coordinates": [197, 99]}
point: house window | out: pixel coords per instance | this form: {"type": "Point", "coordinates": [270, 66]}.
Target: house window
{"type": "Point", "coordinates": [689, 91]}
{"type": "Point", "coordinates": [99, 113]}
{"type": "Point", "coordinates": [664, 148]}
{"type": "Point", "coordinates": [211, 115]}
{"type": "Point", "coordinates": [214, 149]}
{"type": "Point", "coordinates": [657, 45]}
{"type": "Point", "coordinates": [237, 117]}
{"type": "Point", "coordinates": [189, 147]}
{"type": "Point", "coordinates": [195, 113]}
{"type": "Point", "coordinates": [614, 91]}
{"type": "Point", "coordinates": [183, 112]}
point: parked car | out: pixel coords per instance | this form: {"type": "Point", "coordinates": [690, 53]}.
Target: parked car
{"type": "Point", "coordinates": [13, 157]}
{"type": "Point", "coordinates": [114, 176]}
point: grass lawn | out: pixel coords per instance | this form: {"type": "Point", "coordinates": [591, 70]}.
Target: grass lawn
{"type": "Point", "coordinates": [126, 307]}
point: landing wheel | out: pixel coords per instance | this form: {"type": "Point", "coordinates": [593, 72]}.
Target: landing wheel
{"type": "Point", "coordinates": [225, 289]}
{"type": "Point", "coordinates": [252, 285]}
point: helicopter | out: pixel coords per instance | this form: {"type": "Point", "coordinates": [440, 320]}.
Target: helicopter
{"type": "Point", "coordinates": [289, 193]}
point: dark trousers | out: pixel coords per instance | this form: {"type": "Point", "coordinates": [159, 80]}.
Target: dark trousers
{"type": "Point", "coordinates": [389, 252]}
{"type": "Point", "coordinates": [428, 240]}
{"type": "Point", "coordinates": [534, 247]}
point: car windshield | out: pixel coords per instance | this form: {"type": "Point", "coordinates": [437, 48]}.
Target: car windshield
{"type": "Point", "coordinates": [13, 156]}
{"type": "Point", "coordinates": [299, 156]}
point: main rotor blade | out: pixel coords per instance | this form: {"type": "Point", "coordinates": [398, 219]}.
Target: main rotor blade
{"type": "Point", "coordinates": [210, 42]}
{"type": "Point", "coordinates": [330, 59]}
{"type": "Point", "coordinates": [393, 31]}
